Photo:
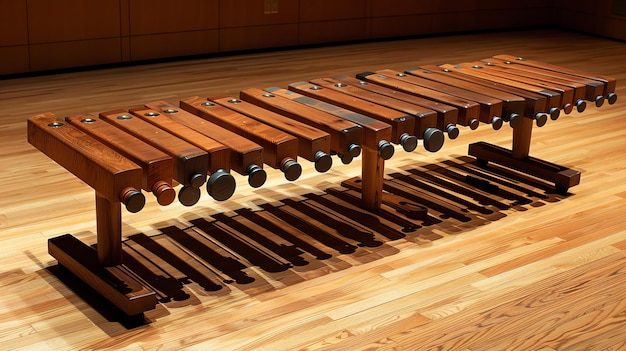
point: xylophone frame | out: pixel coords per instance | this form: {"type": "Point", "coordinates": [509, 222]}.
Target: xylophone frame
{"type": "Point", "coordinates": [103, 268]}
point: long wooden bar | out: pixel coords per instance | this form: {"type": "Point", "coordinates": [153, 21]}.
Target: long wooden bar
{"type": "Point", "coordinates": [280, 149]}
{"type": "Point", "coordinates": [247, 156]}
{"type": "Point", "coordinates": [313, 144]}
{"type": "Point", "coordinates": [513, 105]}
{"type": "Point", "coordinates": [447, 116]}
{"type": "Point", "coordinates": [425, 119]}
{"type": "Point", "coordinates": [345, 136]}
{"type": "Point", "coordinates": [469, 111]}
{"type": "Point", "coordinates": [608, 82]}
{"type": "Point", "coordinates": [221, 184]}
{"type": "Point", "coordinates": [402, 124]}
{"type": "Point", "coordinates": [191, 162]}
{"type": "Point", "coordinates": [157, 166]}
{"type": "Point", "coordinates": [490, 108]}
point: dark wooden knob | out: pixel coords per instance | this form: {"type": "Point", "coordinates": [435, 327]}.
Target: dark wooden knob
{"type": "Point", "coordinates": [581, 105]}
{"type": "Point", "coordinates": [164, 193]}
{"type": "Point", "coordinates": [197, 179]}
{"type": "Point", "coordinates": [515, 120]}
{"type": "Point", "coordinates": [354, 150]}
{"type": "Point", "coordinates": [256, 175]}
{"type": "Point", "coordinates": [322, 161]}
{"type": "Point", "coordinates": [496, 122]}
{"type": "Point", "coordinates": [599, 100]}
{"type": "Point", "coordinates": [567, 108]}
{"type": "Point", "coordinates": [385, 149]}
{"type": "Point", "coordinates": [612, 98]}
{"type": "Point", "coordinates": [221, 185]}
{"type": "Point", "coordinates": [132, 199]}
{"type": "Point", "coordinates": [453, 131]}
{"type": "Point", "coordinates": [541, 119]}
{"type": "Point", "coordinates": [408, 142]}
{"type": "Point", "coordinates": [189, 195]}
{"type": "Point", "coordinates": [473, 123]}
{"type": "Point", "coordinates": [433, 139]}
{"type": "Point", "coordinates": [291, 169]}
{"type": "Point", "coordinates": [554, 113]}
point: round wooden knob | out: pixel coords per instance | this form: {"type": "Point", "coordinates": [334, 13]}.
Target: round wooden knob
{"type": "Point", "coordinates": [515, 120]}
{"type": "Point", "coordinates": [385, 149]}
{"type": "Point", "coordinates": [189, 195]}
{"type": "Point", "coordinates": [354, 150]}
{"type": "Point", "coordinates": [453, 131]}
{"type": "Point", "coordinates": [541, 119]}
{"type": "Point", "coordinates": [196, 180]}
{"type": "Point", "coordinates": [554, 113]}
{"type": "Point", "coordinates": [612, 98]}
{"type": "Point", "coordinates": [322, 161]}
{"type": "Point", "coordinates": [581, 105]}
{"type": "Point", "coordinates": [473, 123]}
{"type": "Point", "coordinates": [599, 100]}
{"type": "Point", "coordinates": [496, 123]}
{"type": "Point", "coordinates": [133, 199]}
{"type": "Point", "coordinates": [221, 185]}
{"type": "Point", "coordinates": [567, 108]}
{"type": "Point", "coordinates": [256, 176]}
{"type": "Point", "coordinates": [345, 158]}
{"type": "Point", "coordinates": [291, 169]}
{"type": "Point", "coordinates": [408, 142]}
{"type": "Point", "coordinates": [433, 139]}
{"type": "Point", "coordinates": [164, 193]}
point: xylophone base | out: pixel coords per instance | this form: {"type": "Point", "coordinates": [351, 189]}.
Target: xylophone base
{"type": "Point", "coordinates": [562, 177]}
{"type": "Point", "coordinates": [113, 283]}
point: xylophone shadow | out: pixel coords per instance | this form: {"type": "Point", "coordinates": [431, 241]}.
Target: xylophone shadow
{"type": "Point", "coordinates": [291, 240]}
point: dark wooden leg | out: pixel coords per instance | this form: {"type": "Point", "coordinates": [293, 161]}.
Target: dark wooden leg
{"type": "Point", "coordinates": [109, 231]}
{"type": "Point", "coordinates": [372, 174]}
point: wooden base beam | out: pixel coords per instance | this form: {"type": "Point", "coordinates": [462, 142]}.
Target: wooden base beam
{"type": "Point", "coordinates": [562, 177]}
{"type": "Point", "coordinates": [113, 283]}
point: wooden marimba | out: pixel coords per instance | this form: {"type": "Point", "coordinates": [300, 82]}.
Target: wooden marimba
{"type": "Point", "coordinates": [159, 146]}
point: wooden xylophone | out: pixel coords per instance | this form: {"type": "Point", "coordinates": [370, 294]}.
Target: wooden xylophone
{"type": "Point", "coordinates": [159, 146]}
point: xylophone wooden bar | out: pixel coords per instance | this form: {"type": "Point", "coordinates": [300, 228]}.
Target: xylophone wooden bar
{"type": "Point", "coordinates": [313, 144]}
{"type": "Point", "coordinates": [469, 111]}
{"type": "Point", "coordinates": [345, 136]}
{"type": "Point", "coordinates": [157, 166]}
{"type": "Point", "coordinates": [566, 94]}
{"type": "Point", "coordinates": [402, 124]}
{"type": "Point", "coordinates": [535, 104]}
{"type": "Point", "coordinates": [553, 99]}
{"type": "Point", "coordinates": [191, 162]}
{"type": "Point", "coordinates": [447, 116]}
{"type": "Point", "coordinates": [593, 88]}
{"type": "Point", "coordinates": [513, 105]}
{"type": "Point", "coordinates": [490, 108]}
{"type": "Point", "coordinates": [579, 89]}
{"type": "Point", "coordinates": [221, 184]}
{"type": "Point", "coordinates": [247, 156]}
{"type": "Point", "coordinates": [608, 82]}
{"type": "Point", "coordinates": [425, 120]}
{"type": "Point", "coordinates": [280, 149]}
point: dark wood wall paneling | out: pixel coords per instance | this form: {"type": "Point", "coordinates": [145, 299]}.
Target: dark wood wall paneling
{"type": "Point", "coordinates": [38, 35]}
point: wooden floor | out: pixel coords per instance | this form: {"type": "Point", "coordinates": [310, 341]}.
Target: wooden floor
{"type": "Point", "coordinates": [502, 263]}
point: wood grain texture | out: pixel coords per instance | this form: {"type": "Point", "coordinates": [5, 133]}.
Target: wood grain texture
{"type": "Point", "coordinates": [501, 262]}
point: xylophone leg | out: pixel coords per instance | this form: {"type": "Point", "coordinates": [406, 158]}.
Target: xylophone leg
{"type": "Point", "coordinates": [109, 231]}
{"type": "Point", "coordinates": [373, 167]}
{"type": "Point", "coordinates": [518, 159]}
{"type": "Point", "coordinates": [102, 268]}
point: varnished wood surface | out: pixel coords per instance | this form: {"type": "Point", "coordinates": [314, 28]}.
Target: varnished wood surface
{"type": "Point", "coordinates": [501, 265]}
